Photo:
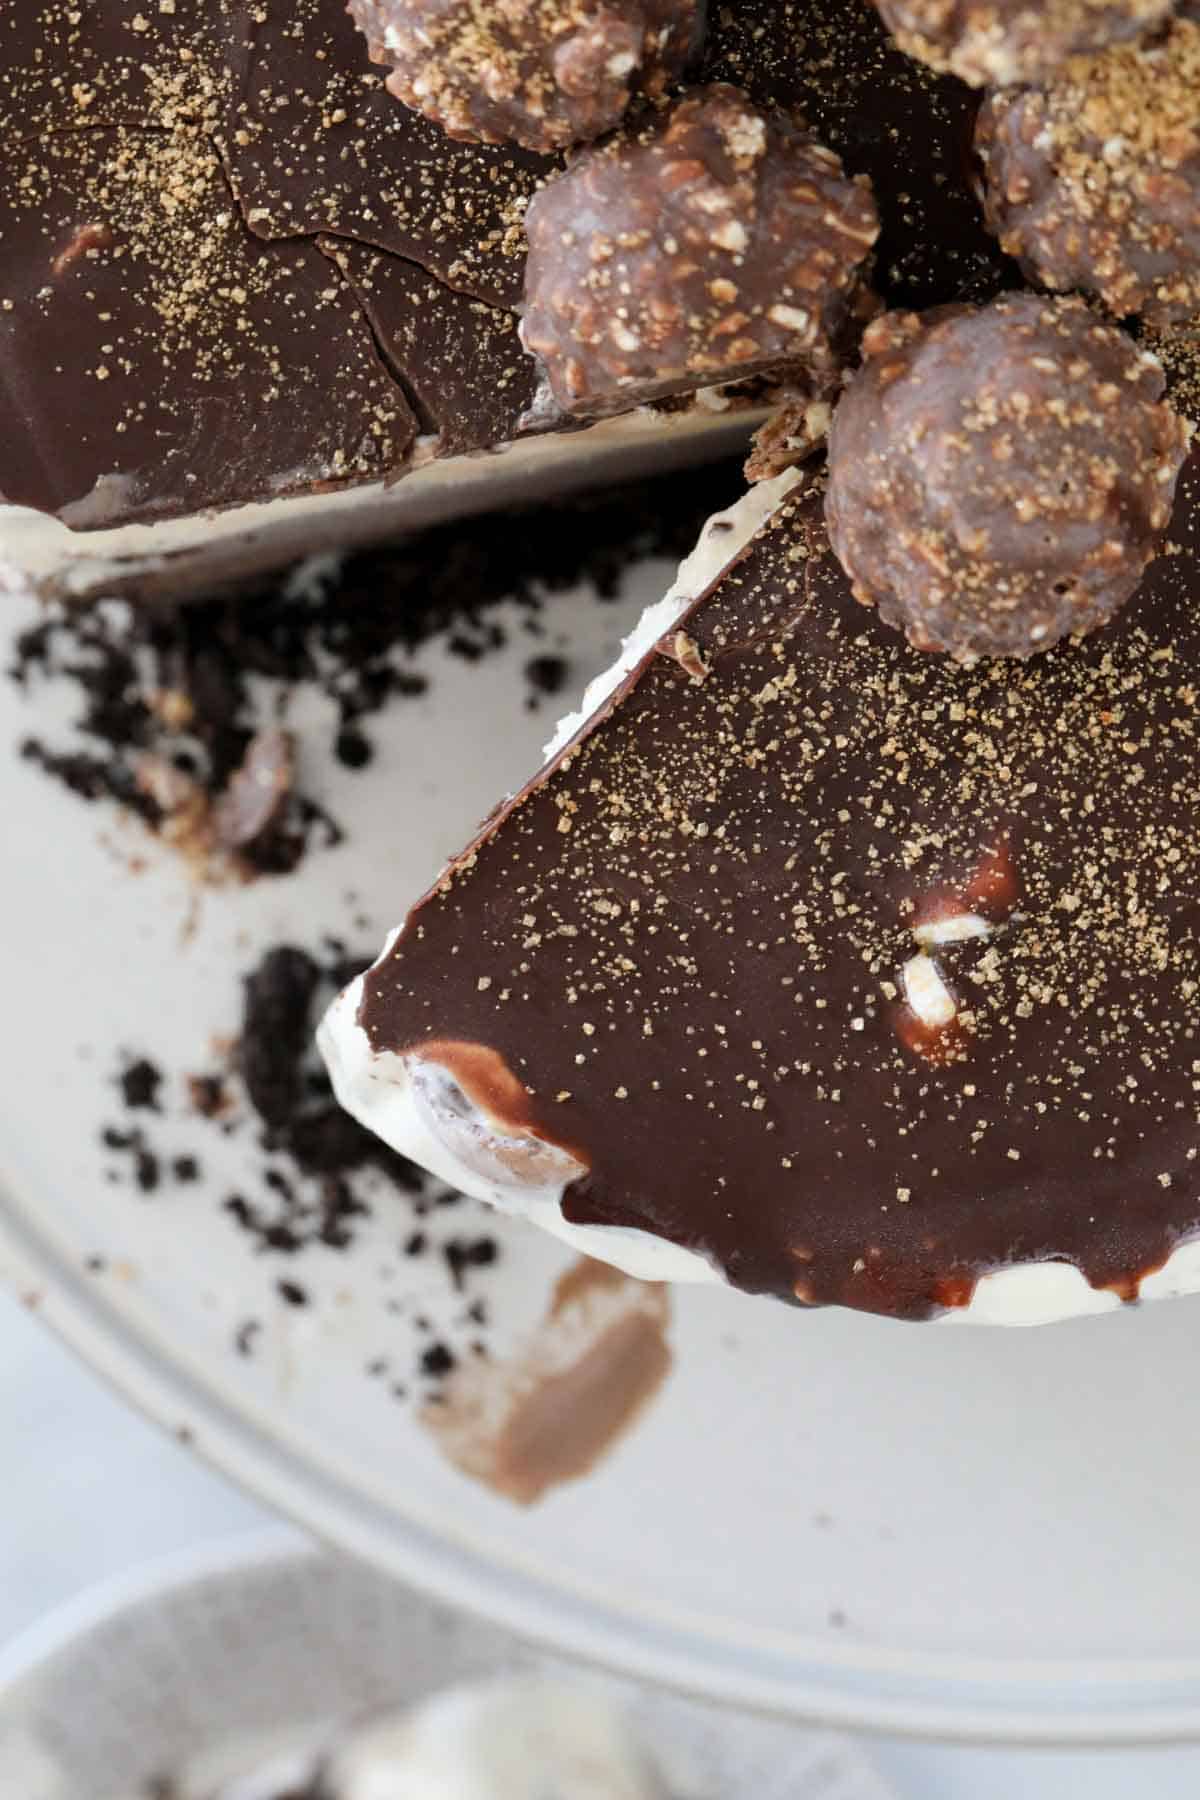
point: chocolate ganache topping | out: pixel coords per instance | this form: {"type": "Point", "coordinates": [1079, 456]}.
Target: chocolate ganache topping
{"type": "Point", "coordinates": [857, 971]}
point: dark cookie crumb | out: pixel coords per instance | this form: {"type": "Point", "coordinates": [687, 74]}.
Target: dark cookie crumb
{"type": "Point", "coordinates": [176, 705]}
{"type": "Point", "coordinates": [352, 749]}
{"type": "Point", "coordinates": [90, 777]}
{"type": "Point", "coordinates": [438, 1360]}
{"type": "Point", "coordinates": [140, 1082]}
{"type": "Point", "coordinates": [209, 1095]}
{"type": "Point", "coordinates": [315, 1173]}
{"type": "Point", "coordinates": [547, 676]}
{"type": "Point", "coordinates": [460, 1256]}
{"type": "Point", "coordinates": [145, 1164]}
{"type": "Point", "coordinates": [275, 1027]}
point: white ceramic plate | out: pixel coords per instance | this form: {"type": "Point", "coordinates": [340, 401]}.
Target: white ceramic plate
{"type": "Point", "coordinates": [980, 1533]}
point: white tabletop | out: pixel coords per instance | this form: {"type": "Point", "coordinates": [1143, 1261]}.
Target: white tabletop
{"type": "Point", "coordinates": [64, 1435]}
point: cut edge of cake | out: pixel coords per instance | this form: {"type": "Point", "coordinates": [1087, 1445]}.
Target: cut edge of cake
{"type": "Point", "coordinates": [423, 1109]}
{"type": "Point", "coordinates": [415, 1105]}
{"type": "Point", "coordinates": [179, 557]}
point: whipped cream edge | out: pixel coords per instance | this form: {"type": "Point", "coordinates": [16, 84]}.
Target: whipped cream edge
{"type": "Point", "coordinates": [378, 1090]}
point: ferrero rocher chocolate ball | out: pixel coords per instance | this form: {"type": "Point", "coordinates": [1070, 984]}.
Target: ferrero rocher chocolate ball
{"type": "Point", "coordinates": [716, 242]}
{"type": "Point", "coordinates": [1093, 181]}
{"type": "Point", "coordinates": [541, 73]}
{"type": "Point", "coordinates": [1000, 476]}
{"type": "Point", "coordinates": [995, 43]}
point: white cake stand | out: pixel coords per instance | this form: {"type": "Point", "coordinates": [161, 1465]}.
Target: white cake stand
{"type": "Point", "coordinates": [979, 1534]}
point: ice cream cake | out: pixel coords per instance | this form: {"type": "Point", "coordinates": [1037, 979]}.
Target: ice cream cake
{"type": "Point", "coordinates": [253, 305]}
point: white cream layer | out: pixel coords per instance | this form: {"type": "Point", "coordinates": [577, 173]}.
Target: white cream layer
{"type": "Point", "coordinates": [174, 557]}
{"type": "Point", "coordinates": [391, 1094]}
{"type": "Point", "coordinates": [722, 539]}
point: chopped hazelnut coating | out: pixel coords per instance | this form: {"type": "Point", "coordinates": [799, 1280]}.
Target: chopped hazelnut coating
{"type": "Point", "coordinates": [541, 73]}
{"type": "Point", "coordinates": [718, 242]}
{"type": "Point", "coordinates": [796, 430]}
{"type": "Point", "coordinates": [1001, 42]}
{"type": "Point", "coordinates": [1000, 476]}
{"type": "Point", "coordinates": [1093, 182]}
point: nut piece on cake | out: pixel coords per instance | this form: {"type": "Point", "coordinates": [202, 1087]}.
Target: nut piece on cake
{"type": "Point", "coordinates": [718, 242]}
{"type": "Point", "coordinates": [541, 73]}
{"type": "Point", "coordinates": [1000, 476]}
{"type": "Point", "coordinates": [1093, 182]}
{"type": "Point", "coordinates": [796, 430]}
{"type": "Point", "coordinates": [1000, 42]}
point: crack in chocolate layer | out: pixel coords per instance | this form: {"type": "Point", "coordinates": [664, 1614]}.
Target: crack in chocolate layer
{"type": "Point", "coordinates": [313, 141]}
{"type": "Point", "coordinates": [428, 232]}
{"type": "Point", "coordinates": [158, 359]}
{"type": "Point", "coordinates": [475, 384]}
{"type": "Point", "coordinates": [316, 144]}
